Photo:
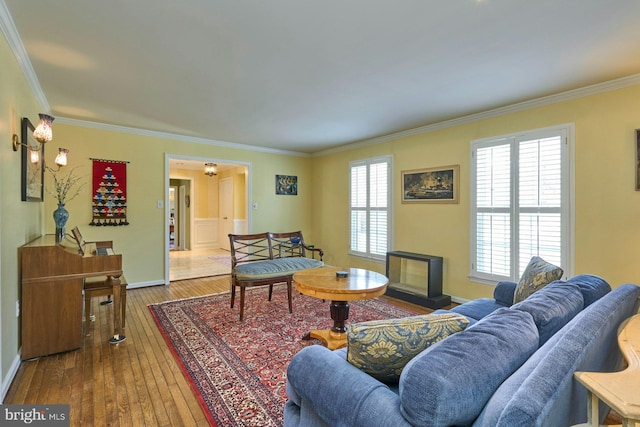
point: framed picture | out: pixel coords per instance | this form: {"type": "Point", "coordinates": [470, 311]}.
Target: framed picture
{"type": "Point", "coordinates": [287, 185]}
{"type": "Point", "coordinates": [32, 180]}
{"type": "Point", "coordinates": [637, 159]}
{"type": "Point", "coordinates": [432, 185]}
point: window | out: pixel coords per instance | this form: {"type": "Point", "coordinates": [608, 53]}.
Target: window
{"type": "Point", "coordinates": [370, 207]}
{"type": "Point", "coordinates": [520, 203]}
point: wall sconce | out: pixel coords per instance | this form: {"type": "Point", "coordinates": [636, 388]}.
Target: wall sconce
{"type": "Point", "coordinates": [61, 158]}
{"type": "Point", "coordinates": [42, 133]}
{"type": "Point", "coordinates": [210, 169]}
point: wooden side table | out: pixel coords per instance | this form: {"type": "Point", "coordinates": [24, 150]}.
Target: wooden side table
{"type": "Point", "coordinates": [323, 283]}
{"type": "Point", "coordinates": [619, 390]}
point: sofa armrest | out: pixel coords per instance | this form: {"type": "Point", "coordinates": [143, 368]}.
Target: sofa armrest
{"type": "Point", "coordinates": [504, 291]}
{"type": "Point", "coordinates": [322, 381]}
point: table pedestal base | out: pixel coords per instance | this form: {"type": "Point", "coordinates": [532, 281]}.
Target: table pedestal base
{"type": "Point", "coordinates": [336, 337]}
{"type": "Point", "coordinates": [333, 340]}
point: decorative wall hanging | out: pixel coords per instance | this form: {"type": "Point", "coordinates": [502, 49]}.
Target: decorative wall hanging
{"type": "Point", "coordinates": [433, 185]}
{"type": "Point", "coordinates": [287, 185]}
{"type": "Point", "coordinates": [109, 196]}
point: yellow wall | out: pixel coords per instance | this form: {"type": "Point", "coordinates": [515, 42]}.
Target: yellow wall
{"type": "Point", "coordinates": [607, 207]}
{"type": "Point", "coordinates": [20, 221]}
{"type": "Point", "coordinates": [142, 242]}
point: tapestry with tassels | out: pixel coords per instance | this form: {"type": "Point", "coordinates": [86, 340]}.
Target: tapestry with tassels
{"type": "Point", "coordinates": [109, 197]}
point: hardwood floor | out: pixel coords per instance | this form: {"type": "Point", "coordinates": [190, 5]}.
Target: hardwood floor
{"type": "Point", "coordinates": [134, 383]}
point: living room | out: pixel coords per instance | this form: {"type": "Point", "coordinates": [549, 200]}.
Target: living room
{"type": "Point", "coordinates": [605, 200]}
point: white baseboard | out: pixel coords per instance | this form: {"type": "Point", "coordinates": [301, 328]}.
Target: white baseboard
{"type": "Point", "coordinates": [6, 382]}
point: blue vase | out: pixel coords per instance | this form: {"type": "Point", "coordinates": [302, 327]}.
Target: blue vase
{"type": "Point", "coordinates": [60, 216]}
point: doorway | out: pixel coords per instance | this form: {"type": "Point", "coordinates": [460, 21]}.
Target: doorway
{"type": "Point", "coordinates": [217, 206]}
{"type": "Point", "coordinates": [179, 214]}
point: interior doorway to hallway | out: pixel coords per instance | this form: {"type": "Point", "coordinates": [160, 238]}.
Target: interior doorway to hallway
{"type": "Point", "coordinates": [201, 210]}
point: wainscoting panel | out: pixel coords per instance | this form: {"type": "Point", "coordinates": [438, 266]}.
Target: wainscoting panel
{"type": "Point", "coordinates": [240, 226]}
{"type": "Point", "coordinates": [206, 233]}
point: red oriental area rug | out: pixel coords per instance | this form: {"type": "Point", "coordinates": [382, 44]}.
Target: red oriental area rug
{"type": "Point", "coordinates": [238, 369]}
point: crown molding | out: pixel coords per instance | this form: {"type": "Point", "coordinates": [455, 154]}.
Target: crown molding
{"type": "Point", "coordinates": [520, 106]}
{"type": "Point", "coordinates": [15, 44]}
{"type": "Point", "coordinates": [176, 137]}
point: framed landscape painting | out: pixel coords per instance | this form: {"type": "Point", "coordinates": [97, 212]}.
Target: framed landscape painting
{"type": "Point", "coordinates": [431, 185]}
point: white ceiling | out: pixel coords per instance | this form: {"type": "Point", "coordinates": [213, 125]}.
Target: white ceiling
{"type": "Point", "coordinates": [305, 76]}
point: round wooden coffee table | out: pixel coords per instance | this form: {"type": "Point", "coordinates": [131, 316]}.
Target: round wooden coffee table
{"type": "Point", "coordinates": [323, 283]}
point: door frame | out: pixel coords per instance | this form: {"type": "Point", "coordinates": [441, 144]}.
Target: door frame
{"type": "Point", "coordinates": [167, 158]}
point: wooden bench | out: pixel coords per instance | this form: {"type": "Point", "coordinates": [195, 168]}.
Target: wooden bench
{"type": "Point", "coordinates": [103, 286]}
{"type": "Point", "coordinates": [267, 259]}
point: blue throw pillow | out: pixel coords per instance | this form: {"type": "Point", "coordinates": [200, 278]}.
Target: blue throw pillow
{"type": "Point", "coordinates": [450, 382]}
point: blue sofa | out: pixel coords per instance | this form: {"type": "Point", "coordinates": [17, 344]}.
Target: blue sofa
{"type": "Point", "coordinates": [513, 366]}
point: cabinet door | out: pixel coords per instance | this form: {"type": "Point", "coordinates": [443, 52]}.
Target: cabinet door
{"type": "Point", "coordinates": [51, 317]}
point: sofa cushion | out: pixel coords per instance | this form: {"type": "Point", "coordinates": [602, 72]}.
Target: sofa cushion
{"type": "Point", "coordinates": [274, 267]}
{"type": "Point", "coordinates": [477, 308]}
{"type": "Point", "coordinates": [382, 348]}
{"type": "Point", "coordinates": [450, 382]}
{"type": "Point", "coordinates": [503, 293]}
{"type": "Point", "coordinates": [537, 275]}
{"type": "Point", "coordinates": [552, 307]}
{"type": "Point", "coordinates": [592, 287]}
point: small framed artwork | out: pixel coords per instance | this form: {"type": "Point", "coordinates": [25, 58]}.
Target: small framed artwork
{"type": "Point", "coordinates": [32, 180]}
{"type": "Point", "coordinates": [637, 159]}
{"type": "Point", "coordinates": [287, 185]}
{"type": "Point", "coordinates": [431, 185]}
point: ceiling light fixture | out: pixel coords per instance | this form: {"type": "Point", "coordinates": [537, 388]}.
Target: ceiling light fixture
{"type": "Point", "coordinates": [210, 169]}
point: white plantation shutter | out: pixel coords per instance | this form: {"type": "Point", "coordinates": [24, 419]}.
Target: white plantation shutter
{"type": "Point", "coordinates": [519, 203]}
{"type": "Point", "coordinates": [370, 207]}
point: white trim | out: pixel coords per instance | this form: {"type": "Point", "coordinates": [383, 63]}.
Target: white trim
{"type": "Point", "coordinates": [167, 158]}
{"type": "Point", "coordinates": [146, 284]}
{"type": "Point", "coordinates": [567, 131]}
{"type": "Point", "coordinates": [388, 160]}
{"type": "Point", "coordinates": [11, 374]}
{"type": "Point", "coordinates": [14, 41]}
{"type": "Point", "coordinates": [513, 108]}
{"type": "Point", "coordinates": [176, 137]}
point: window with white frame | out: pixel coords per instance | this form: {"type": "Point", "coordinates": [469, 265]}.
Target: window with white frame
{"type": "Point", "coordinates": [370, 207]}
{"type": "Point", "coordinates": [520, 202]}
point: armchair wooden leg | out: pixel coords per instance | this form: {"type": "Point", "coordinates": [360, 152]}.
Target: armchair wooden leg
{"type": "Point", "coordinates": [270, 291]}
{"type": "Point", "coordinates": [289, 295]}
{"type": "Point", "coordinates": [241, 302]}
{"type": "Point", "coordinates": [233, 294]}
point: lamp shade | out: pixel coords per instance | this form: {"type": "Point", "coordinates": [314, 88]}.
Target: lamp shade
{"type": "Point", "coordinates": [43, 132]}
{"type": "Point", "coordinates": [61, 158]}
{"type": "Point", "coordinates": [34, 155]}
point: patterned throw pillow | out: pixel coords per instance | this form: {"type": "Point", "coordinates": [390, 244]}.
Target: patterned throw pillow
{"type": "Point", "coordinates": [382, 348]}
{"type": "Point", "coordinates": [536, 276]}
